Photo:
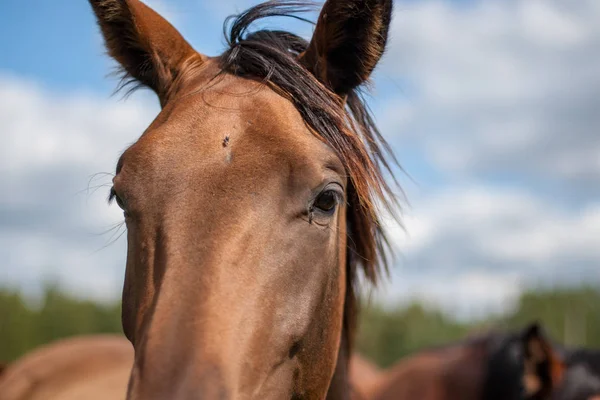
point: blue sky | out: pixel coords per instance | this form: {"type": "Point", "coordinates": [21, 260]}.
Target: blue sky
{"type": "Point", "coordinates": [491, 106]}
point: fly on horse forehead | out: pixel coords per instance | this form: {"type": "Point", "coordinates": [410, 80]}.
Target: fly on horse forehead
{"type": "Point", "coordinates": [252, 201]}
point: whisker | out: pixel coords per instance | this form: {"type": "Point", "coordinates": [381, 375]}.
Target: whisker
{"type": "Point", "coordinates": [93, 189]}
{"type": "Point", "coordinates": [112, 241]}
{"type": "Point", "coordinates": [116, 230]}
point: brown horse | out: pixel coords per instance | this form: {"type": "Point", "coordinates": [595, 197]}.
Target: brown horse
{"type": "Point", "coordinates": [363, 375]}
{"type": "Point", "coordinates": [502, 366]}
{"type": "Point", "coordinates": [582, 378]}
{"type": "Point", "coordinates": [88, 367]}
{"type": "Point", "coordinates": [251, 202]}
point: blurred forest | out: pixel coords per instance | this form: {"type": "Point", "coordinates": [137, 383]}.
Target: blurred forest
{"type": "Point", "coordinates": [570, 316]}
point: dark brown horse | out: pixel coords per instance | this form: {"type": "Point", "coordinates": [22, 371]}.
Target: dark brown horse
{"type": "Point", "coordinates": [582, 377]}
{"type": "Point", "coordinates": [494, 366]}
{"type": "Point", "coordinates": [251, 202]}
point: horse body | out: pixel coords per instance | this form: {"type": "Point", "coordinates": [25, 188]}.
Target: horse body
{"type": "Point", "coordinates": [502, 366]}
{"type": "Point", "coordinates": [450, 373]}
{"type": "Point", "coordinates": [363, 375]}
{"type": "Point", "coordinates": [88, 367]}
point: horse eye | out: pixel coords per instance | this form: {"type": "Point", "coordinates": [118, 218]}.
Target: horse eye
{"type": "Point", "coordinates": [114, 196]}
{"type": "Point", "coordinates": [326, 201]}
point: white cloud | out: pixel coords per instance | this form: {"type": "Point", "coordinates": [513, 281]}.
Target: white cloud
{"type": "Point", "coordinates": [479, 246]}
{"type": "Point", "coordinates": [536, 17]}
{"type": "Point", "coordinates": [498, 89]}
{"type": "Point", "coordinates": [524, 227]}
{"type": "Point", "coordinates": [50, 146]}
{"type": "Point", "coordinates": [500, 86]}
{"type": "Point", "coordinates": [469, 295]}
{"type": "Point", "coordinates": [43, 132]}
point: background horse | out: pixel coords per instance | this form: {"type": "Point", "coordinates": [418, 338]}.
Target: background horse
{"type": "Point", "coordinates": [250, 201]}
{"type": "Point", "coordinates": [582, 378]}
{"type": "Point", "coordinates": [87, 367]}
{"type": "Point", "coordinates": [363, 375]}
{"type": "Point", "coordinates": [507, 366]}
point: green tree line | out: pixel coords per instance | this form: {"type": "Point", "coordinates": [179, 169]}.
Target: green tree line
{"type": "Point", "coordinates": [570, 316]}
{"type": "Point", "coordinates": [24, 327]}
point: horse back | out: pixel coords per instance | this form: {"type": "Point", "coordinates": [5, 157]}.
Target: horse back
{"type": "Point", "coordinates": [442, 374]}
{"type": "Point", "coordinates": [91, 367]}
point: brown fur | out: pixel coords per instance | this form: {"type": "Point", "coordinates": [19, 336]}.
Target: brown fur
{"type": "Point", "coordinates": [452, 373]}
{"type": "Point", "coordinates": [348, 42]}
{"type": "Point", "coordinates": [236, 285]}
{"type": "Point", "coordinates": [475, 370]}
{"type": "Point", "coordinates": [90, 368]}
{"type": "Point", "coordinates": [363, 375]}
{"type": "Point", "coordinates": [149, 49]}
{"type": "Point", "coordinates": [98, 367]}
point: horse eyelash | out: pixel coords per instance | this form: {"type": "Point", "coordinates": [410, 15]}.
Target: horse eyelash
{"type": "Point", "coordinates": [111, 195]}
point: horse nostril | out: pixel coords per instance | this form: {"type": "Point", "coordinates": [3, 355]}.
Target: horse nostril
{"type": "Point", "coordinates": [295, 348]}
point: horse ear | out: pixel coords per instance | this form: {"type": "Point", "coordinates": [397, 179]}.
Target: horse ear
{"type": "Point", "coordinates": [543, 367]}
{"type": "Point", "coordinates": [149, 48]}
{"type": "Point", "coordinates": [348, 41]}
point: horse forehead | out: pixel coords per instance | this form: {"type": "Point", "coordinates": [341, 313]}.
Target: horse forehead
{"type": "Point", "coordinates": [236, 118]}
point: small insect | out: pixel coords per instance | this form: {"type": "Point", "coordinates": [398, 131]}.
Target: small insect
{"type": "Point", "coordinates": [226, 141]}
